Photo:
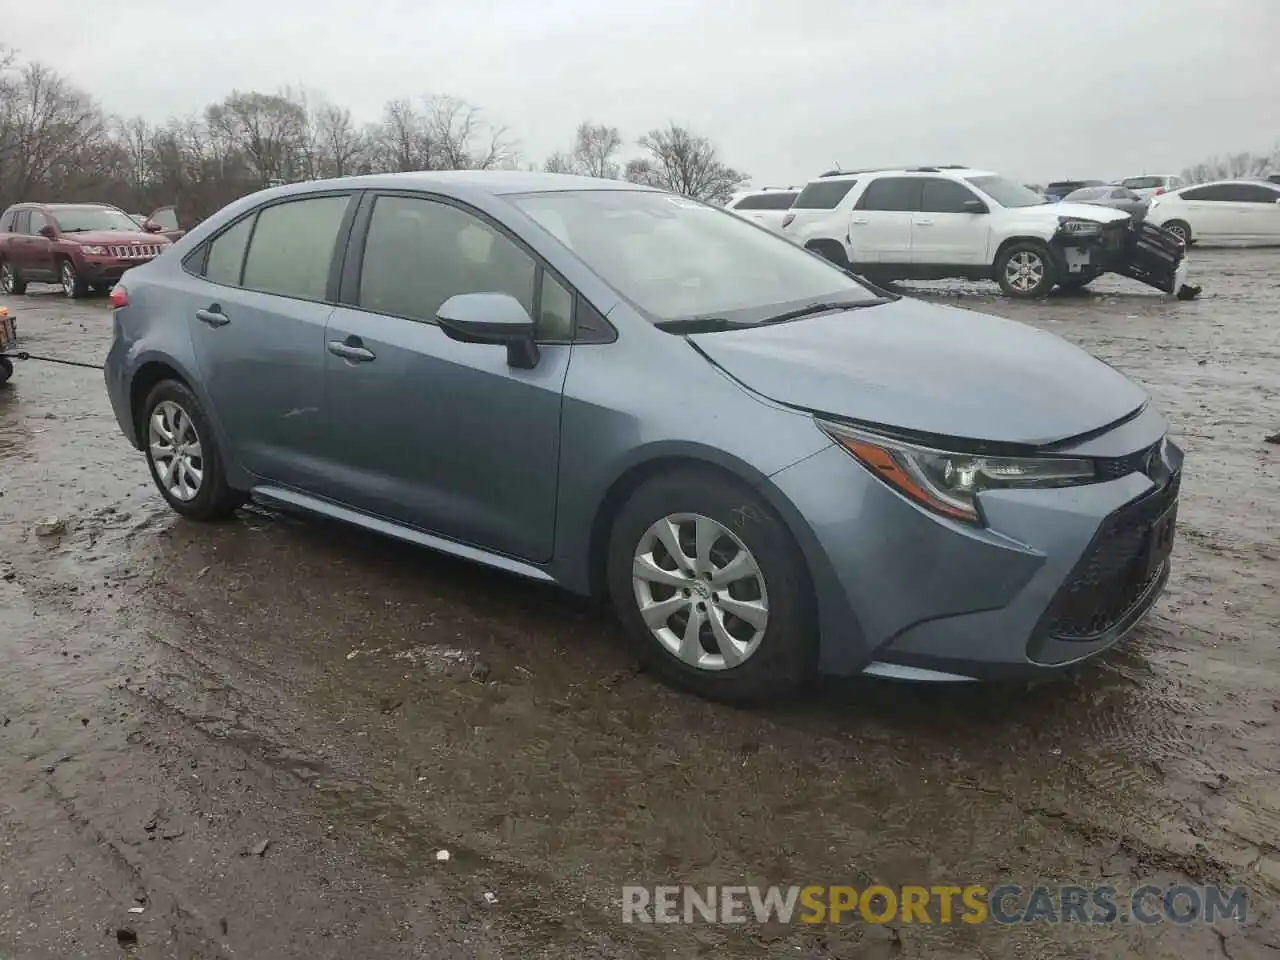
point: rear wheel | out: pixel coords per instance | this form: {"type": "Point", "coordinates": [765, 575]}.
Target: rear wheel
{"type": "Point", "coordinates": [11, 281]}
{"type": "Point", "coordinates": [1179, 229]}
{"type": "Point", "coordinates": [73, 284]}
{"type": "Point", "coordinates": [711, 588]}
{"type": "Point", "coordinates": [829, 250]}
{"type": "Point", "coordinates": [183, 455]}
{"type": "Point", "coordinates": [6, 370]}
{"type": "Point", "coordinates": [1024, 270]}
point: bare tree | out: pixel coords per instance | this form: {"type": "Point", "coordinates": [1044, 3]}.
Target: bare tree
{"type": "Point", "coordinates": [684, 162]}
{"type": "Point", "coordinates": [1234, 166]}
{"type": "Point", "coordinates": [403, 140]}
{"type": "Point", "coordinates": [49, 129]}
{"type": "Point", "coordinates": [463, 140]}
{"type": "Point", "coordinates": [267, 128]}
{"type": "Point", "coordinates": [341, 144]}
{"type": "Point", "coordinates": [560, 162]}
{"type": "Point", "coordinates": [595, 148]}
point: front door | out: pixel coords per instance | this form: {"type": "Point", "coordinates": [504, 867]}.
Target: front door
{"type": "Point", "coordinates": [37, 250]}
{"type": "Point", "coordinates": [257, 318]}
{"type": "Point", "coordinates": [952, 225]}
{"type": "Point", "coordinates": [436, 434]}
{"type": "Point", "coordinates": [880, 226]}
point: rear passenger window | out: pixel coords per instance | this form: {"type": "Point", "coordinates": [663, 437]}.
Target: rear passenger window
{"type": "Point", "coordinates": [420, 252]}
{"type": "Point", "coordinates": [6, 221]}
{"type": "Point", "coordinates": [891, 193]}
{"type": "Point", "coordinates": [823, 195]}
{"type": "Point", "coordinates": [1219, 193]}
{"type": "Point", "coordinates": [292, 247]}
{"type": "Point", "coordinates": [1255, 193]}
{"type": "Point", "coordinates": [226, 254]}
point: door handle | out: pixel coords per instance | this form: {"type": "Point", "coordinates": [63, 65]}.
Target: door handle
{"type": "Point", "coordinates": [213, 316]}
{"type": "Point", "coordinates": [924, 223]}
{"type": "Point", "coordinates": [860, 220]}
{"type": "Point", "coordinates": [353, 352]}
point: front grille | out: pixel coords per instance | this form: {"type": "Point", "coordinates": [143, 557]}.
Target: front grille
{"type": "Point", "coordinates": [1117, 467]}
{"type": "Point", "coordinates": [1111, 578]}
{"type": "Point", "coordinates": [1114, 237]}
{"type": "Point", "coordinates": [143, 251]}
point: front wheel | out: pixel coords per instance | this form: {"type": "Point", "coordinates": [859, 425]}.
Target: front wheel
{"type": "Point", "coordinates": [1180, 230]}
{"type": "Point", "coordinates": [1024, 270]}
{"type": "Point", "coordinates": [73, 284]}
{"type": "Point", "coordinates": [711, 588]}
{"type": "Point", "coordinates": [183, 455]}
{"type": "Point", "coordinates": [11, 282]}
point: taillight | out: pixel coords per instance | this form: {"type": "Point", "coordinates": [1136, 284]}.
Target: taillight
{"type": "Point", "coordinates": [1159, 190]}
{"type": "Point", "coordinates": [119, 297]}
{"type": "Point", "coordinates": [788, 220]}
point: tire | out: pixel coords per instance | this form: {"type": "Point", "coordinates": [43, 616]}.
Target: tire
{"type": "Point", "coordinates": [11, 282]}
{"type": "Point", "coordinates": [6, 370]}
{"type": "Point", "coordinates": [1012, 266]}
{"type": "Point", "coordinates": [1180, 229]}
{"type": "Point", "coordinates": [73, 284]}
{"type": "Point", "coordinates": [171, 407]}
{"type": "Point", "coordinates": [774, 660]}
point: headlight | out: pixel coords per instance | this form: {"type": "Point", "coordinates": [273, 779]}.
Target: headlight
{"type": "Point", "coordinates": [948, 483]}
{"type": "Point", "coordinates": [93, 250]}
{"type": "Point", "coordinates": [1079, 228]}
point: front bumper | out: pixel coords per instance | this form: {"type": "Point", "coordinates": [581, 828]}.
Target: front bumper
{"type": "Point", "coordinates": [1132, 248]}
{"type": "Point", "coordinates": [1057, 577]}
{"type": "Point", "coordinates": [104, 270]}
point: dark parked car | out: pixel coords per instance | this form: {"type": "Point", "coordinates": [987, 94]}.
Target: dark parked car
{"type": "Point", "coordinates": [770, 468]}
{"type": "Point", "coordinates": [1120, 198]}
{"type": "Point", "coordinates": [82, 246]}
{"type": "Point", "coordinates": [1059, 189]}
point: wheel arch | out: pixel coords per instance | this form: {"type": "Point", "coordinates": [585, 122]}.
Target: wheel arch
{"type": "Point", "coordinates": [732, 470]}
{"type": "Point", "coordinates": [827, 247]}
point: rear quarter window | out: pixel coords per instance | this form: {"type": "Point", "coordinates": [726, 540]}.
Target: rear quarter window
{"type": "Point", "coordinates": [823, 195]}
{"type": "Point", "coordinates": [774, 200]}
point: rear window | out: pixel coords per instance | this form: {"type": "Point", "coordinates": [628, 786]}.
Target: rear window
{"type": "Point", "coordinates": [1089, 193]}
{"type": "Point", "coordinates": [1143, 183]}
{"type": "Point", "coordinates": [823, 194]}
{"type": "Point", "coordinates": [773, 200]}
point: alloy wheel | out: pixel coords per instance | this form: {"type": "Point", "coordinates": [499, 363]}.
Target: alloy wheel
{"type": "Point", "coordinates": [700, 591]}
{"type": "Point", "coordinates": [174, 448]}
{"type": "Point", "coordinates": [68, 279]}
{"type": "Point", "coordinates": [1177, 231]}
{"type": "Point", "coordinates": [1024, 271]}
{"type": "Point", "coordinates": [6, 278]}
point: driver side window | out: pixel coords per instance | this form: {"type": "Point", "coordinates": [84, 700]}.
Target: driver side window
{"type": "Point", "coordinates": [420, 252]}
{"type": "Point", "coordinates": [38, 220]}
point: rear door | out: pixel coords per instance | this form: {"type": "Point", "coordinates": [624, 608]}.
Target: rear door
{"type": "Point", "coordinates": [880, 229]}
{"type": "Point", "coordinates": [436, 434]}
{"type": "Point", "coordinates": [1209, 212]}
{"type": "Point", "coordinates": [257, 314]}
{"type": "Point", "coordinates": [20, 247]}
{"type": "Point", "coordinates": [951, 226]}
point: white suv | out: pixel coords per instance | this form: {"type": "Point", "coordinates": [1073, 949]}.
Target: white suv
{"type": "Point", "coordinates": [767, 206]}
{"type": "Point", "coordinates": [929, 223]}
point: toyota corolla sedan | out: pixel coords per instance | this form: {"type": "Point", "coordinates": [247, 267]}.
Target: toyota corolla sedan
{"type": "Point", "coordinates": [770, 468]}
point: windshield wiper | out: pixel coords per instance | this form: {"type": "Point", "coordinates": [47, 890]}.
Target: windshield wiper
{"type": "Point", "coordinates": [74, 229]}
{"type": "Point", "coordinates": [810, 309]}
{"type": "Point", "coordinates": [700, 325]}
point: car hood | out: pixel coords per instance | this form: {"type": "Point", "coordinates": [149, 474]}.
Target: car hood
{"type": "Point", "coordinates": [930, 369]}
{"type": "Point", "coordinates": [113, 237]}
{"type": "Point", "coordinates": [1087, 211]}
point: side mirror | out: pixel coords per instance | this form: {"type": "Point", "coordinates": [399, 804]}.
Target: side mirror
{"type": "Point", "coordinates": [975, 205]}
{"type": "Point", "coordinates": [48, 232]}
{"type": "Point", "coordinates": [152, 227]}
{"type": "Point", "coordinates": [496, 318]}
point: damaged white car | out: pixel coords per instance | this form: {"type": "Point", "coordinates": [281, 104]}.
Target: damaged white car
{"type": "Point", "coordinates": [932, 223]}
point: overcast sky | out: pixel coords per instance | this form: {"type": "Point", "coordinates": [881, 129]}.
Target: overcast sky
{"type": "Point", "coordinates": [1073, 88]}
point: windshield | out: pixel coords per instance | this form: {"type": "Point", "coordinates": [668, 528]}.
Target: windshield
{"type": "Point", "coordinates": [1089, 193]}
{"type": "Point", "coordinates": [1006, 192]}
{"type": "Point", "coordinates": [675, 258]}
{"type": "Point", "coordinates": [84, 219]}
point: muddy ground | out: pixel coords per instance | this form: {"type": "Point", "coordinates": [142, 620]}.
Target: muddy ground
{"type": "Point", "coordinates": [175, 696]}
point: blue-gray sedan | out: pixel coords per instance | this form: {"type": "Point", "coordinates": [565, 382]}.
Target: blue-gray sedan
{"type": "Point", "coordinates": [768, 466]}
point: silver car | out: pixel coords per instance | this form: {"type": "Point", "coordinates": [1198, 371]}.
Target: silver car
{"type": "Point", "coordinates": [770, 468]}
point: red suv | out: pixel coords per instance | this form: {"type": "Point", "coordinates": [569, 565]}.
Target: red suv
{"type": "Point", "coordinates": [82, 246]}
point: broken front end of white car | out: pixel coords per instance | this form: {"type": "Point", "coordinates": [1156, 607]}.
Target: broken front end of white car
{"type": "Point", "coordinates": [1086, 249]}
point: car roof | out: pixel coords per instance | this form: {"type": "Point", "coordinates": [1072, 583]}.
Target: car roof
{"type": "Point", "coordinates": [462, 183]}
{"type": "Point", "coordinates": [1238, 181]}
{"type": "Point", "coordinates": [953, 169]}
